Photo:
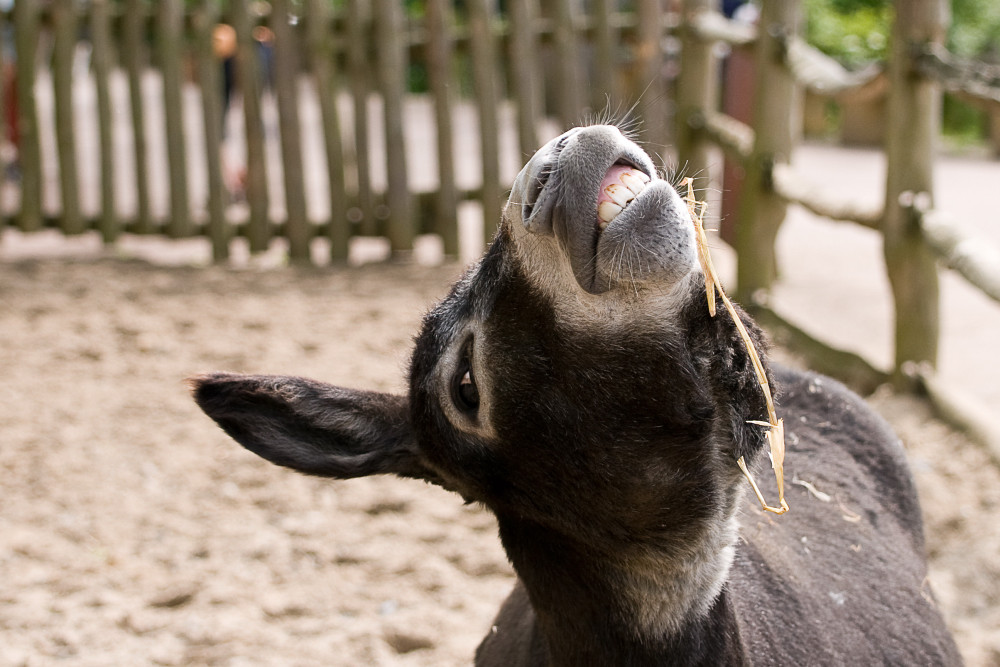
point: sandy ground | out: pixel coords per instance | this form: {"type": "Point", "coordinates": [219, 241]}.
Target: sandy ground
{"type": "Point", "coordinates": [132, 531]}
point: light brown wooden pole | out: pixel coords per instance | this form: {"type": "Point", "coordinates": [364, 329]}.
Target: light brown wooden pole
{"type": "Point", "coordinates": [170, 53]}
{"type": "Point", "coordinates": [484, 73]}
{"type": "Point", "coordinates": [777, 121]}
{"type": "Point", "coordinates": [29, 150]}
{"type": "Point", "coordinates": [360, 72]}
{"type": "Point", "coordinates": [439, 64]}
{"type": "Point", "coordinates": [209, 68]}
{"type": "Point", "coordinates": [319, 37]}
{"type": "Point", "coordinates": [249, 83]}
{"type": "Point", "coordinates": [606, 92]}
{"type": "Point", "coordinates": [298, 230]}
{"type": "Point", "coordinates": [390, 35]}
{"type": "Point", "coordinates": [64, 46]}
{"type": "Point", "coordinates": [697, 85]}
{"type": "Point", "coordinates": [526, 83]}
{"type": "Point", "coordinates": [570, 104]}
{"type": "Point", "coordinates": [914, 113]}
{"type": "Point", "coordinates": [135, 58]}
{"type": "Point", "coordinates": [108, 223]}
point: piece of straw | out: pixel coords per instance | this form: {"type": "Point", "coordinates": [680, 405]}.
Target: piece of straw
{"type": "Point", "coordinates": [776, 427]}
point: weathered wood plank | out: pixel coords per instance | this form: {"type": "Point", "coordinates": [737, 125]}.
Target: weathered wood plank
{"type": "Point", "coordinates": [29, 150]}
{"type": "Point", "coordinates": [439, 64]}
{"type": "Point", "coordinates": [777, 126]}
{"type": "Point", "coordinates": [321, 60]}
{"type": "Point", "coordinates": [135, 62]}
{"type": "Point", "coordinates": [526, 84]}
{"type": "Point", "coordinates": [64, 26]}
{"type": "Point", "coordinates": [100, 28]}
{"type": "Point", "coordinates": [248, 81]}
{"type": "Point", "coordinates": [484, 73]}
{"type": "Point", "coordinates": [286, 85]}
{"type": "Point", "coordinates": [390, 26]}
{"type": "Point", "coordinates": [204, 18]}
{"type": "Point", "coordinates": [914, 105]}
{"type": "Point", "coordinates": [169, 40]}
{"type": "Point", "coordinates": [607, 91]}
{"type": "Point", "coordinates": [697, 84]}
{"type": "Point", "coordinates": [358, 26]}
{"type": "Point", "coordinates": [570, 75]}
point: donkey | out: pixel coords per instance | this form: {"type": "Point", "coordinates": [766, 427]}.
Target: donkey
{"type": "Point", "coordinates": [574, 383]}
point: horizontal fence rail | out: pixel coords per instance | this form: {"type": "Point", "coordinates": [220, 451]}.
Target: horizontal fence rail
{"type": "Point", "coordinates": [916, 236]}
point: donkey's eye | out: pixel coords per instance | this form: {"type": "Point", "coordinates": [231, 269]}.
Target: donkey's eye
{"type": "Point", "coordinates": [465, 391]}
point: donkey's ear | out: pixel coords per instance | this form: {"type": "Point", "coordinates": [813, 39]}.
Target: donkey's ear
{"type": "Point", "coordinates": [312, 427]}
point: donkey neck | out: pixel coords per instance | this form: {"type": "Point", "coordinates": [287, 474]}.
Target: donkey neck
{"type": "Point", "coordinates": [636, 605]}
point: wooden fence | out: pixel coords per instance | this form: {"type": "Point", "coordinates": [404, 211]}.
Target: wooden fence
{"type": "Point", "coordinates": [541, 60]}
{"type": "Point", "coordinates": [916, 236]}
{"type": "Point", "coordinates": [538, 58]}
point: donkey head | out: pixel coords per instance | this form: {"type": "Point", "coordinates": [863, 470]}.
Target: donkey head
{"type": "Point", "coordinates": [572, 381]}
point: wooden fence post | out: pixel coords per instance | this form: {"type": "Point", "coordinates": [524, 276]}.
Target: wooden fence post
{"type": "Point", "coordinates": [170, 51]}
{"type": "Point", "coordinates": [100, 30]}
{"type": "Point", "coordinates": [29, 150]}
{"type": "Point", "coordinates": [322, 64]}
{"type": "Point", "coordinates": [358, 25]}
{"type": "Point", "coordinates": [248, 81]}
{"type": "Point", "coordinates": [64, 25]}
{"type": "Point", "coordinates": [651, 90]}
{"type": "Point", "coordinates": [776, 122]}
{"type": "Point", "coordinates": [697, 83]}
{"type": "Point", "coordinates": [526, 83]}
{"type": "Point", "coordinates": [134, 44]}
{"type": "Point", "coordinates": [390, 34]}
{"type": "Point", "coordinates": [606, 91]}
{"type": "Point", "coordinates": [484, 73]}
{"type": "Point", "coordinates": [439, 63]}
{"type": "Point", "coordinates": [570, 76]}
{"type": "Point", "coordinates": [298, 230]}
{"type": "Point", "coordinates": [913, 111]}
{"type": "Point", "coordinates": [209, 68]}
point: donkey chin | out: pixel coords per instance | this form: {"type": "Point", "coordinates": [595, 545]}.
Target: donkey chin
{"type": "Point", "coordinates": [574, 383]}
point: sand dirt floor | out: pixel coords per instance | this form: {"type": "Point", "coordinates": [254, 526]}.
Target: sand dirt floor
{"type": "Point", "coordinates": [134, 532]}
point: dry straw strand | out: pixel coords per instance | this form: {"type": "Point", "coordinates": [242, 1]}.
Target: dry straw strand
{"type": "Point", "coordinates": [775, 427]}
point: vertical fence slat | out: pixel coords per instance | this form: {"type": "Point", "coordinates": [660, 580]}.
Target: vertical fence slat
{"type": "Point", "coordinates": [358, 21]}
{"type": "Point", "coordinates": [29, 149]}
{"type": "Point", "coordinates": [526, 84]}
{"type": "Point", "coordinates": [64, 46]}
{"type": "Point", "coordinates": [5, 104]}
{"type": "Point", "coordinates": [777, 122]}
{"type": "Point", "coordinates": [605, 92]}
{"type": "Point", "coordinates": [914, 110]}
{"type": "Point", "coordinates": [320, 52]}
{"type": "Point", "coordinates": [696, 90]}
{"type": "Point", "coordinates": [484, 73]}
{"type": "Point", "coordinates": [100, 30]}
{"type": "Point", "coordinates": [210, 81]}
{"type": "Point", "coordinates": [136, 58]}
{"type": "Point", "coordinates": [390, 34]}
{"type": "Point", "coordinates": [248, 80]}
{"type": "Point", "coordinates": [286, 87]}
{"type": "Point", "coordinates": [439, 62]}
{"type": "Point", "coordinates": [170, 53]}
{"type": "Point", "coordinates": [651, 92]}
{"type": "Point", "coordinates": [570, 98]}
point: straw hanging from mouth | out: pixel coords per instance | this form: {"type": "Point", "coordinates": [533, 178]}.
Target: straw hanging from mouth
{"type": "Point", "coordinates": [776, 428]}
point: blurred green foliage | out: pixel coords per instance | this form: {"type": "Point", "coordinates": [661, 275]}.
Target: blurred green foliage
{"type": "Point", "coordinates": [857, 32]}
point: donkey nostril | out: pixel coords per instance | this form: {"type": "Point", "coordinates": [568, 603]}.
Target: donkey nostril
{"type": "Point", "coordinates": [535, 191]}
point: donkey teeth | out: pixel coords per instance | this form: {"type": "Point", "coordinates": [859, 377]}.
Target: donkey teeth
{"type": "Point", "coordinates": [620, 194]}
{"type": "Point", "coordinates": [607, 212]}
{"type": "Point", "coordinates": [633, 182]}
